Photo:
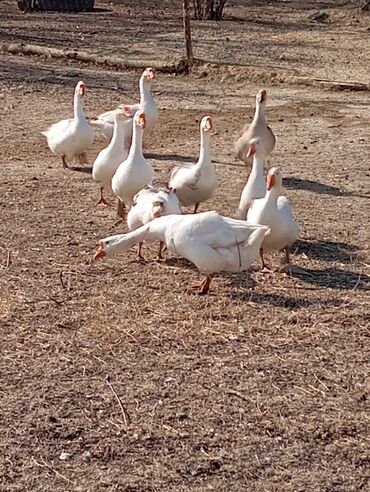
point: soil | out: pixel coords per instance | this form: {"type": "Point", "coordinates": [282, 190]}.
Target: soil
{"type": "Point", "coordinates": [112, 378]}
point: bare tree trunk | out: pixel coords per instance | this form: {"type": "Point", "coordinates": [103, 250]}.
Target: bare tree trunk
{"type": "Point", "coordinates": [187, 31]}
{"type": "Point", "coordinates": [208, 9]}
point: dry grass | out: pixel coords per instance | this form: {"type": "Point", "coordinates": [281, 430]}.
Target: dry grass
{"type": "Point", "coordinates": [263, 385]}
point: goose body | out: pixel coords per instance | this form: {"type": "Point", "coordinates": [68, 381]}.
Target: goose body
{"type": "Point", "coordinates": [105, 121]}
{"type": "Point", "coordinates": [257, 128]}
{"type": "Point", "coordinates": [275, 212]}
{"type": "Point", "coordinates": [195, 183]}
{"type": "Point", "coordinates": [149, 204]}
{"type": "Point", "coordinates": [256, 185]}
{"type": "Point", "coordinates": [108, 159]}
{"type": "Point", "coordinates": [212, 242]}
{"type": "Point", "coordinates": [135, 172]}
{"type": "Point", "coordinates": [71, 138]}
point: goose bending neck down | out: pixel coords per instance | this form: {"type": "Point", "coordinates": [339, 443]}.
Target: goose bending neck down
{"type": "Point", "coordinates": [212, 242]}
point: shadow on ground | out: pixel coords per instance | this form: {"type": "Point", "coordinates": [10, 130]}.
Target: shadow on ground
{"type": "Point", "coordinates": [327, 250]}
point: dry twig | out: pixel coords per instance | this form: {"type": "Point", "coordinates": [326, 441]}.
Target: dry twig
{"type": "Point", "coordinates": [126, 417]}
{"type": "Point", "coordinates": [43, 464]}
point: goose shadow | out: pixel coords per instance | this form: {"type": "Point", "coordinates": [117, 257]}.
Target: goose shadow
{"type": "Point", "coordinates": [170, 157]}
{"type": "Point", "coordinates": [334, 278]}
{"type": "Point", "coordinates": [320, 188]}
{"type": "Point", "coordinates": [315, 186]}
{"type": "Point", "coordinates": [327, 250]}
{"type": "Point", "coordinates": [82, 169]}
{"type": "Point", "coordinates": [282, 301]}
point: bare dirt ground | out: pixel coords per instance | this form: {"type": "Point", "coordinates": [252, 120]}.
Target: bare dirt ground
{"type": "Point", "coordinates": [264, 384]}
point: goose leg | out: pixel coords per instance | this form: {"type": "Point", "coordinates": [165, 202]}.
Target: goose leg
{"type": "Point", "coordinates": [102, 200]}
{"type": "Point", "coordinates": [82, 158]}
{"type": "Point", "coordinates": [139, 257]}
{"type": "Point", "coordinates": [287, 267]}
{"type": "Point", "coordinates": [121, 209]}
{"type": "Point", "coordinates": [65, 165]}
{"type": "Point", "coordinates": [160, 256]}
{"type": "Point", "coordinates": [265, 268]}
{"type": "Point", "coordinates": [202, 287]}
{"type": "Point", "coordinates": [196, 208]}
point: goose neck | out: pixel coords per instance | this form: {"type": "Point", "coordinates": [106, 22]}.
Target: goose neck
{"type": "Point", "coordinates": [77, 107]}
{"type": "Point", "coordinates": [204, 152]}
{"type": "Point", "coordinates": [118, 133]}
{"type": "Point", "coordinates": [137, 141]}
{"type": "Point", "coordinates": [260, 111]}
{"type": "Point", "coordinates": [145, 94]}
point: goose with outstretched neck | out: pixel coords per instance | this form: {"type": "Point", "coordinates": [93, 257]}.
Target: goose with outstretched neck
{"type": "Point", "coordinates": [71, 138]}
{"type": "Point", "coordinates": [275, 212]}
{"type": "Point", "coordinates": [135, 172]}
{"type": "Point", "coordinates": [256, 184]}
{"type": "Point", "coordinates": [257, 128]}
{"type": "Point", "coordinates": [196, 183]}
{"type": "Point", "coordinates": [212, 242]}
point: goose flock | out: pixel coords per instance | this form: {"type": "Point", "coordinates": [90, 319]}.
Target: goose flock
{"type": "Point", "coordinates": [212, 242]}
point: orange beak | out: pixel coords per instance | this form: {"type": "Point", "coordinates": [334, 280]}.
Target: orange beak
{"type": "Point", "coordinates": [208, 123]}
{"type": "Point", "coordinates": [251, 150]}
{"type": "Point", "coordinates": [100, 252]}
{"type": "Point", "coordinates": [271, 181]}
{"type": "Point", "coordinates": [151, 73]}
{"type": "Point", "coordinates": [126, 111]}
{"type": "Point", "coordinates": [141, 121]}
{"type": "Point", "coordinates": [82, 89]}
{"type": "Point", "coordinates": [262, 95]}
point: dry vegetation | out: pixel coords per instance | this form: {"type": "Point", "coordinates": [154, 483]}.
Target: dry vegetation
{"type": "Point", "coordinates": [264, 384]}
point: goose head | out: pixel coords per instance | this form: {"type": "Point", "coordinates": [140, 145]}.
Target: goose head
{"type": "Point", "coordinates": [157, 208]}
{"type": "Point", "coordinates": [80, 88]}
{"type": "Point", "coordinates": [256, 147]}
{"type": "Point", "coordinates": [148, 76]}
{"type": "Point", "coordinates": [206, 124]}
{"type": "Point", "coordinates": [107, 247]}
{"type": "Point", "coordinates": [261, 97]}
{"type": "Point", "coordinates": [140, 119]}
{"type": "Point", "coordinates": [123, 113]}
{"type": "Point", "coordinates": [274, 179]}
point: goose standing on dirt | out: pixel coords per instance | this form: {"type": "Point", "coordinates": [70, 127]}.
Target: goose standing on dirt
{"type": "Point", "coordinates": [274, 211]}
{"type": "Point", "coordinates": [147, 104]}
{"type": "Point", "coordinates": [212, 242]}
{"type": "Point", "coordinates": [258, 128]}
{"type": "Point", "coordinates": [134, 173]}
{"type": "Point", "coordinates": [195, 183]}
{"type": "Point", "coordinates": [148, 204]}
{"type": "Point", "coordinates": [71, 138]}
{"type": "Point", "coordinates": [256, 184]}
{"type": "Point", "coordinates": [108, 159]}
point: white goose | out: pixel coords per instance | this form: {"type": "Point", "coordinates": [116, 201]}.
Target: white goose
{"type": "Point", "coordinates": [108, 159]}
{"type": "Point", "coordinates": [134, 173]}
{"type": "Point", "coordinates": [256, 184]}
{"type": "Point", "coordinates": [258, 128]}
{"type": "Point", "coordinates": [274, 211]}
{"type": "Point", "coordinates": [147, 104]}
{"type": "Point", "coordinates": [71, 138]}
{"type": "Point", "coordinates": [212, 242]}
{"type": "Point", "coordinates": [195, 183]}
{"type": "Point", "coordinates": [148, 204]}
